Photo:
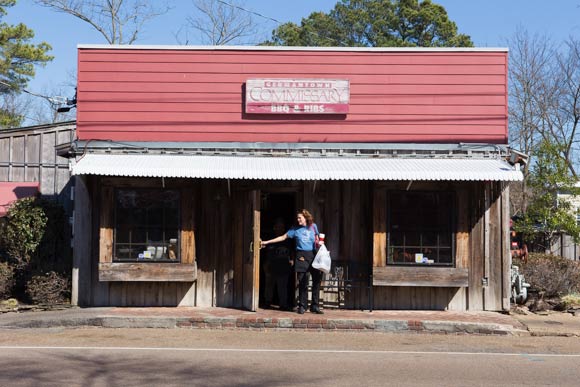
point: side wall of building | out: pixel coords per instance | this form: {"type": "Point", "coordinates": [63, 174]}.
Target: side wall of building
{"type": "Point", "coordinates": [29, 155]}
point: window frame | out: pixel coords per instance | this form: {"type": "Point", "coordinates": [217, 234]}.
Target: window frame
{"type": "Point", "coordinates": [109, 271]}
{"type": "Point", "coordinates": [115, 227]}
{"type": "Point", "coordinates": [452, 221]}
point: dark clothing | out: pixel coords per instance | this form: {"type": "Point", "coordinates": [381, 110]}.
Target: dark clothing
{"type": "Point", "coordinates": [277, 268]}
{"type": "Point", "coordinates": [303, 289]}
{"type": "Point", "coordinates": [303, 269]}
{"type": "Point", "coordinates": [303, 266]}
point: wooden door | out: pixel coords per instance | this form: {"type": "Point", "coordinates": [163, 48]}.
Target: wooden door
{"type": "Point", "coordinates": [251, 265]}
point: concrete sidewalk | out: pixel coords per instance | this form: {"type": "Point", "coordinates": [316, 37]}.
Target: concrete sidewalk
{"type": "Point", "coordinates": [447, 322]}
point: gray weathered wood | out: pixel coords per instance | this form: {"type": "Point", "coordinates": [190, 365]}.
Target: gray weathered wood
{"type": "Point", "coordinates": [420, 276]}
{"type": "Point", "coordinates": [156, 272]}
{"type": "Point", "coordinates": [505, 246]}
{"type": "Point", "coordinates": [28, 154]}
{"type": "Point", "coordinates": [81, 289]}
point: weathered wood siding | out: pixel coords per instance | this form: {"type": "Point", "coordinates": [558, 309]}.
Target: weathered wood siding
{"type": "Point", "coordinates": [132, 94]}
{"type": "Point", "coordinates": [345, 211]}
{"type": "Point", "coordinates": [29, 155]}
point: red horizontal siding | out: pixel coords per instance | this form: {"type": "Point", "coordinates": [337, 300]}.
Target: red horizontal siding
{"type": "Point", "coordinates": [294, 69]}
{"type": "Point", "coordinates": [197, 95]}
{"type": "Point", "coordinates": [373, 79]}
{"type": "Point", "coordinates": [232, 107]}
{"type": "Point", "coordinates": [208, 57]}
{"type": "Point", "coordinates": [385, 100]}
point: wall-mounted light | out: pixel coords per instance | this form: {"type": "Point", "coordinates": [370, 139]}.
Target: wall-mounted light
{"type": "Point", "coordinates": [71, 103]}
{"type": "Point", "coordinates": [517, 157]}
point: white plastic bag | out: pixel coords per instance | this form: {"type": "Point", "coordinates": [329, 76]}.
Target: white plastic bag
{"type": "Point", "coordinates": [322, 260]}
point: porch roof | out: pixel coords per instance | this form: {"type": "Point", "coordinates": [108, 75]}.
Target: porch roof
{"type": "Point", "coordinates": [296, 168]}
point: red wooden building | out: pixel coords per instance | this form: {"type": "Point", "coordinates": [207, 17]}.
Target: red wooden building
{"type": "Point", "coordinates": [186, 155]}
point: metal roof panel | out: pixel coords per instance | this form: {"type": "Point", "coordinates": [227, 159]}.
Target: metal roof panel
{"type": "Point", "coordinates": [296, 168]}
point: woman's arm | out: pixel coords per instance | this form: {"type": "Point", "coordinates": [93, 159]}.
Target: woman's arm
{"type": "Point", "coordinates": [281, 238]}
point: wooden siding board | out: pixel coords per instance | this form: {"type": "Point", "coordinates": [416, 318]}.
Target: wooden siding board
{"type": "Point", "coordinates": [82, 254]}
{"type": "Point", "coordinates": [388, 101]}
{"type": "Point", "coordinates": [447, 92]}
{"type": "Point", "coordinates": [505, 246]}
{"type": "Point", "coordinates": [420, 276]}
{"type": "Point", "coordinates": [294, 70]}
{"type": "Point", "coordinates": [462, 236]}
{"type": "Point", "coordinates": [193, 78]}
{"type": "Point", "coordinates": [209, 57]}
{"type": "Point", "coordinates": [100, 291]}
{"type": "Point", "coordinates": [235, 88]}
{"type": "Point", "coordinates": [396, 123]}
{"type": "Point", "coordinates": [106, 225]}
{"type": "Point", "coordinates": [187, 226]}
{"type": "Point", "coordinates": [380, 226]}
{"type": "Point", "coordinates": [157, 272]}
{"type": "Point", "coordinates": [396, 112]}
{"type": "Point", "coordinates": [494, 289]}
{"type": "Point", "coordinates": [476, 265]}
{"type": "Point", "coordinates": [153, 135]}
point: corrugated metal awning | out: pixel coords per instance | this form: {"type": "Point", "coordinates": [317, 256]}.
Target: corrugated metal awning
{"type": "Point", "coordinates": [295, 168]}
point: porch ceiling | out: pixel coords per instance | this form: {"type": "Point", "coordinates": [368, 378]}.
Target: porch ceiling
{"type": "Point", "coordinates": [295, 168]}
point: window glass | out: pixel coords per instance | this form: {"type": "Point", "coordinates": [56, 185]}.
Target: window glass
{"type": "Point", "coordinates": [146, 225]}
{"type": "Point", "coordinates": [420, 228]}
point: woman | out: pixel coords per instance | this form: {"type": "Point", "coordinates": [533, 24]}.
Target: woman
{"type": "Point", "coordinates": [306, 237]}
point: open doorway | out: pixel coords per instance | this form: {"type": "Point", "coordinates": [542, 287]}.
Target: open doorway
{"type": "Point", "coordinates": [278, 212]}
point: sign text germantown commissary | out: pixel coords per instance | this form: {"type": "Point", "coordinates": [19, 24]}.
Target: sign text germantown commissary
{"type": "Point", "coordinates": [297, 96]}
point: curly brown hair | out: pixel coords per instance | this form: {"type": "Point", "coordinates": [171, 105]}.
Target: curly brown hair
{"type": "Point", "coordinates": [307, 215]}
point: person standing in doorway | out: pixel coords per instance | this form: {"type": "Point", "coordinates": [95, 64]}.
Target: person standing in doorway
{"type": "Point", "coordinates": [305, 234]}
{"type": "Point", "coordinates": [277, 268]}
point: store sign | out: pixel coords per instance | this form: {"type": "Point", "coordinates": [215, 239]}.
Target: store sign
{"type": "Point", "coordinates": [297, 96]}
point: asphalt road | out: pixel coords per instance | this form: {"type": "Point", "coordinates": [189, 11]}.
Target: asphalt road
{"type": "Point", "coordinates": [119, 357]}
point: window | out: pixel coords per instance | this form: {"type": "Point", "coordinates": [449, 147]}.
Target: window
{"type": "Point", "coordinates": [420, 230]}
{"type": "Point", "coordinates": [146, 225]}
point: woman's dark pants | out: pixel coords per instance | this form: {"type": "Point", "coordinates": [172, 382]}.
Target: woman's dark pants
{"type": "Point", "coordinates": [303, 288]}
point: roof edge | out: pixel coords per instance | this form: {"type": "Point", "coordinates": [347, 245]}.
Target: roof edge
{"type": "Point", "coordinates": [290, 48]}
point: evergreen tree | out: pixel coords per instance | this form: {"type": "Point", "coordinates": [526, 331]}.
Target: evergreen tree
{"type": "Point", "coordinates": [548, 213]}
{"type": "Point", "coordinates": [18, 58]}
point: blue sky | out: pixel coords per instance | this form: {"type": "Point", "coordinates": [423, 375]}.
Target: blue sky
{"type": "Point", "coordinates": [488, 22]}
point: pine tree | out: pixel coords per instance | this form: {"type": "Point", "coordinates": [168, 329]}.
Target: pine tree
{"type": "Point", "coordinates": [18, 58]}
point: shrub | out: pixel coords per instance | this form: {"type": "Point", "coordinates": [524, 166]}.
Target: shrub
{"type": "Point", "coordinates": [6, 280]}
{"type": "Point", "coordinates": [50, 288]}
{"type": "Point", "coordinates": [54, 251]}
{"type": "Point", "coordinates": [34, 239]}
{"type": "Point", "coordinates": [553, 275]}
{"type": "Point", "coordinates": [23, 230]}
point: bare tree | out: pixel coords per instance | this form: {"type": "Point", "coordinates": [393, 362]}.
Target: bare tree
{"type": "Point", "coordinates": [531, 68]}
{"type": "Point", "coordinates": [221, 23]}
{"type": "Point", "coordinates": [119, 21]}
{"type": "Point", "coordinates": [544, 101]}
{"type": "Point", "coordinates": [565, 117]}
{"type": "Point", "coordinates": [16, 106]}
{"type": "Point", "coordinates": [45, 111]}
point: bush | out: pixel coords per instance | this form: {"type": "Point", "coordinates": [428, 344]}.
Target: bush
{"type": "Point", "coordinates": [553, 275]}
{"type": "Point", "coordinates": [50, 288]}
{"type": "Point", "coordinates": [23, 230]}
{"type": "Point", "coordinates": [34, 238]}
{"type": "Point", "coordinates": [571, 301]}
{"type": "Point", "coordinates": [6, 280]}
